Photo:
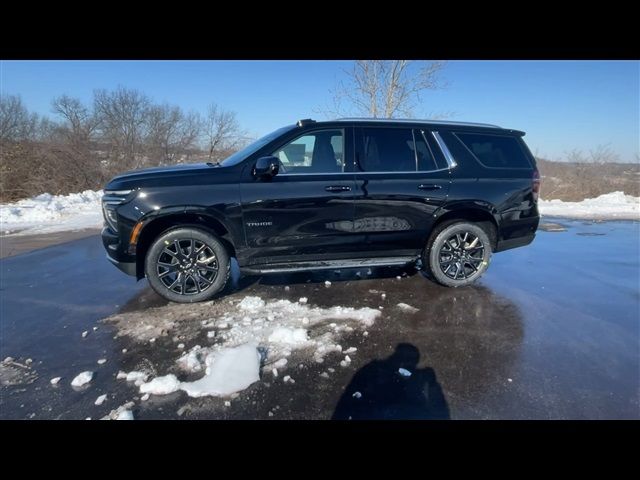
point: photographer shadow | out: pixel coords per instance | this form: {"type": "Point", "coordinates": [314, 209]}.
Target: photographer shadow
{"type": "Point", "coordinates": [378, 391]}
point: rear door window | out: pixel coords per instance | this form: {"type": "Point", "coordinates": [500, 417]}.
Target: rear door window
{"type": "Point", "coordinates": [388, 150]}
{"type": "Point", "coordinates": [495, 151]}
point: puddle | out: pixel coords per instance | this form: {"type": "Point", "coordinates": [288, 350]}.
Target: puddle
{"type": "Point", "coordinates": [552, 227]}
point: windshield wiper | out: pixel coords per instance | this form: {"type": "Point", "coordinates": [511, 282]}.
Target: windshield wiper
{"type": "Point", "coordinates": [213, 164]}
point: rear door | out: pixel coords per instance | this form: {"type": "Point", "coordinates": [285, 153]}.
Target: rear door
{"type": "Point", "coordinates": [401, 180]}
{"type": "Point", "coordinates": [306, 211]}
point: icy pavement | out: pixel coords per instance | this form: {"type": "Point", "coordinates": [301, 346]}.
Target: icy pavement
{"type": "Point", "coordinates": [543, 335]}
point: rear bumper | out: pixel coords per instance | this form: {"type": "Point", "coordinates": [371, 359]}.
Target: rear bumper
{"type": "Point", "coordinates": [514, 242]}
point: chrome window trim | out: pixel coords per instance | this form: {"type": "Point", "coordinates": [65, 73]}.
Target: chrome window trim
{"type": "Point", "coordinates": [445, 150]}
{"type": "Point", "coordinates": [360, 173]}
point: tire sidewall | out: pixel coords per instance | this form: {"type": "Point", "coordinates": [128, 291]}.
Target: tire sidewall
{"type": "Point", "coordinates": [441, 237]}
{"type": "Point", "coordinates": [210, 240]}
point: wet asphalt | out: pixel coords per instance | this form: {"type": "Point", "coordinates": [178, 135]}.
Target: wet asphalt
{"type": "Point", "coordinates": [550, 332]}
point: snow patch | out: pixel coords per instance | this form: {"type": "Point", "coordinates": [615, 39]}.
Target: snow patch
{"type": "Point", "coordinates": [100, 400]}
{"type": "Point", "coordinates": [290, 336]}
{"type": "Point", "coordinates": [407, 308]}
{"type": "Point", "coordinates": [82, 379]}
{"type": "Point", "coordinates": [404, 372]}
{"type": "Point", "coordinates": [161, 385]}
{"type": "Point", "coordinates": [125, 415]}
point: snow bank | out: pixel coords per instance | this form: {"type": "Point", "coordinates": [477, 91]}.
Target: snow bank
{"type": "Point", "coordinates": [228, 371]}
{"type": "Point", "coordinates": [48, 213]}
{"type": "Point", "coordinates": [610, 205]}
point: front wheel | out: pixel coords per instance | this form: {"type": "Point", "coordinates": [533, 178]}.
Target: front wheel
{"type": "Point", "coordinates": [187, 265]}
{"type": "Point", "coordinates": [458, 254]}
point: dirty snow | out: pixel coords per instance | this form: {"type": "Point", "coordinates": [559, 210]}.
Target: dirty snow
{"type": "Point", "coordinates": [48, 213]}
{"type": "Point", "coordinates": [610, 205]}
{"type": "Point", "coordinates": [273, 328]}
{"type": "Point", "coordinates": [100, 400]}
{"type": "Point", "coordinates": [82, 379]}
{"type": "Point", "coordinates": [161, 385]}
{"type": "Point", "coordinates": [228, 371]}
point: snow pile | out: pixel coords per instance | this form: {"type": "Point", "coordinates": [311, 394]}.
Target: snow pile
{"type": "Point", "coordinates": [228, 371]}
{"type": "Point", "coordinates": [281, 326]}
{"type": "Point", "coordinates": [610, 205]}
{"type": "Point", "coordinates": [48, 213]}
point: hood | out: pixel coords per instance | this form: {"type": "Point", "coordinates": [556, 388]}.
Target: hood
{"type": "Point", "coordinates": [159, 175]}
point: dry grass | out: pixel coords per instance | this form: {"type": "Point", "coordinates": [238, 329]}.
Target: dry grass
{"type": "Point", "coordinates": [577, 181]}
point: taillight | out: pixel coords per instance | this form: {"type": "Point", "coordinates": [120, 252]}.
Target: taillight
{"type": "Point", "coordinates": [536, 185]}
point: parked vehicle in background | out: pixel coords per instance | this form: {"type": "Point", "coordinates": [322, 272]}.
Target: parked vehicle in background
{"type": "Point", "coordinates": [327, 195]}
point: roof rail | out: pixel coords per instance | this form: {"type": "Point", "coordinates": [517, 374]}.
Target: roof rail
{"type": "Point", "coordinates": [305, 121]}
{"type": "Point", "coordinates": [412, 120]}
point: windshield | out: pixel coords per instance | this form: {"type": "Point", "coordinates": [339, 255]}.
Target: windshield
{"type": "Point", "coordinates": [254, 147]}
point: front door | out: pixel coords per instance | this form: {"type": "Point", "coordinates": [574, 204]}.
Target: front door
{"type": "Point", "coordinates": [306, 211]}
{"type": "Point", "coordinates": [401, 180]}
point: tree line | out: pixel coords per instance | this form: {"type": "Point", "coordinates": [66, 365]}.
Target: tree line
{"type": "Point", "coordinates": [83, 145]}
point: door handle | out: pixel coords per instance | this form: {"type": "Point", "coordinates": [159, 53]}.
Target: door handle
{"type": "Point", "coordinates": [338, 188]}
{"type": "Point", "coordinates": [424, 186]}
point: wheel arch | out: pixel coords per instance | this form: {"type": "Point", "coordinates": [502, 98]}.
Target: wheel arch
{"type": "Point", "coordinates": [483, 215]}
{"type": "Point", "coordinates": [156, 226]}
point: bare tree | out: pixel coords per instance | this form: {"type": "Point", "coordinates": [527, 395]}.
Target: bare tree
{"type": "Point", "coordinates": [221, 131]}
{"type": "Point", "coordinates": [171, 132]}
{"type": "Point", "coordinates": [79, 122]}
{"type": "Point", "coordinates": [385, 88]}
{"type": "Point", "coordinates": [15, 121]}
{"type": "Point", "coordinates": [122, 119]}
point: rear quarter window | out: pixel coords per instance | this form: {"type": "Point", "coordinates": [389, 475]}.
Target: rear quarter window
{"type": "Point", "coordinates": [495, 151]}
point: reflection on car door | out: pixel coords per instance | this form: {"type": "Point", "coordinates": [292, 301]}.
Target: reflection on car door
{"type": "Point", "coordinates": [401, 180]}
{"type": "Point", "coordinates": [307, 210]}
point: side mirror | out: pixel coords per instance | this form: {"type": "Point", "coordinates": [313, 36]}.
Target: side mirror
{"type": "Point", "coordinates": [266, 167]}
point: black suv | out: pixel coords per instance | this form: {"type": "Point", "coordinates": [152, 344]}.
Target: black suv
{"type": "Point", "coordinates": [327, 195]}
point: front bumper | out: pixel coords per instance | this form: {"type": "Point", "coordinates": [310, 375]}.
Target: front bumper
{"type": "Point", "coordinates": [127, 267]}
{"type": "Point", "coordinates": [116, 254]}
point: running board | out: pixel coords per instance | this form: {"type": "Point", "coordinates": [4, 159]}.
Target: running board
{"type": "Point", "coordinates": [328, 265]}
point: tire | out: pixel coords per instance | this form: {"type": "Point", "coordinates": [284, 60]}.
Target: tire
{"type": "Point", "coordinates": [465, 264]}
{"type": "Point", "coordinates": [187, 265]}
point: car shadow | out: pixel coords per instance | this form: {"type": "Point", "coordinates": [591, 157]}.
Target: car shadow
{"type": "Point", "coordinates": [393, 388]}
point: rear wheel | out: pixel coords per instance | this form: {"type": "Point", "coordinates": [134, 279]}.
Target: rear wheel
{"type": "Point", "coordinates": [187, 265]}
{"type": "Point", "coordinates": [458, 253]}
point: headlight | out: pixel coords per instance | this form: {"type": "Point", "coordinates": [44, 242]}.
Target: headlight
{"type": "Point", "coordinates": [110, 200]}
{"type": "Point", "coordinates": [109, 212]}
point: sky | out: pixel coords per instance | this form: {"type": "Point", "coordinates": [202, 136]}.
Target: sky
{"type": "Point", "coordinates": [561, 105]}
